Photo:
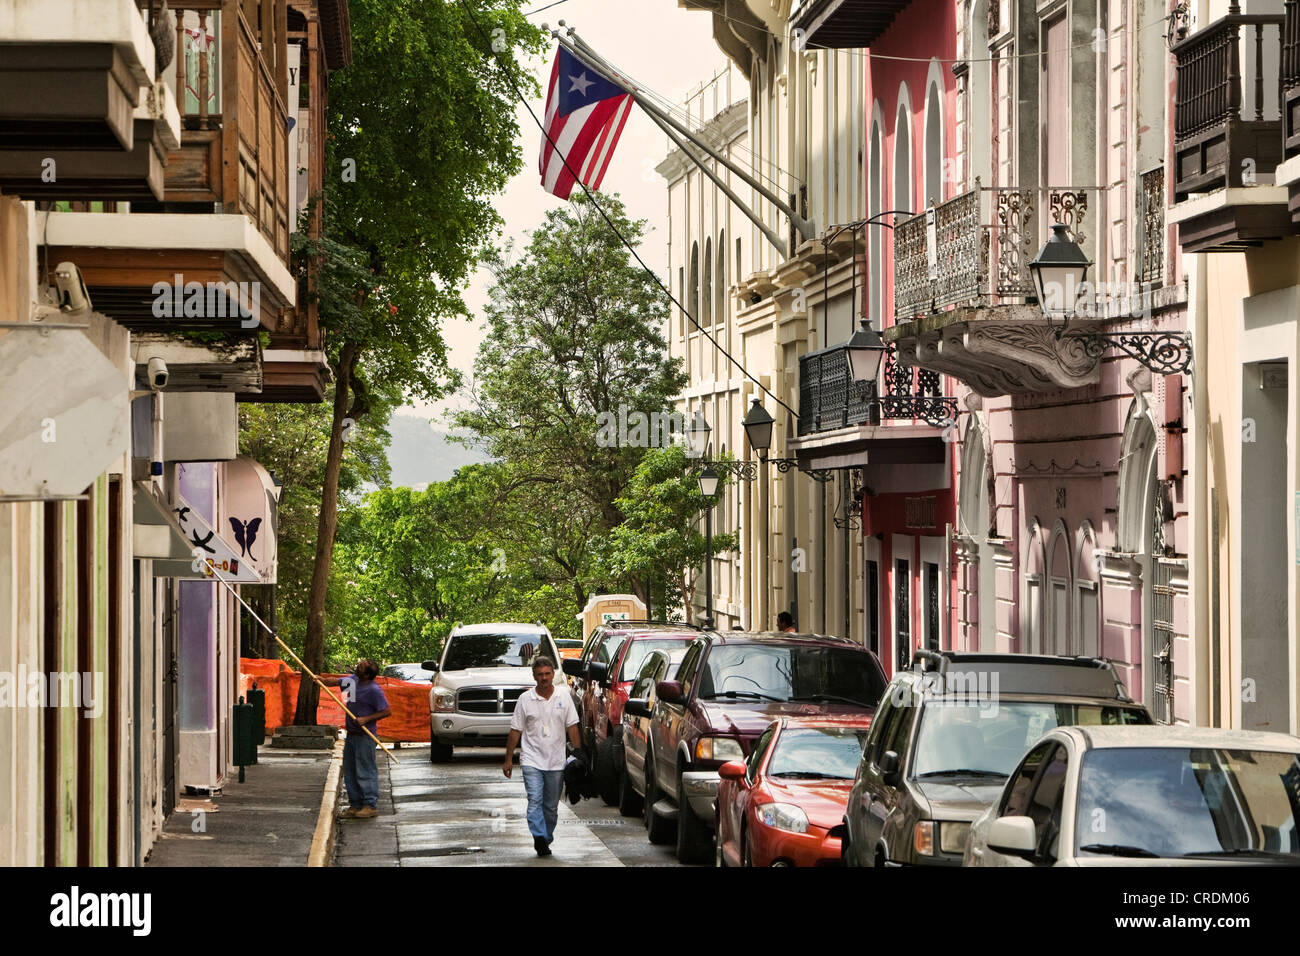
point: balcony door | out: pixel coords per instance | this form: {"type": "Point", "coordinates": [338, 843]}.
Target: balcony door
{"type": "Point", "coordinates": [1054, 101]}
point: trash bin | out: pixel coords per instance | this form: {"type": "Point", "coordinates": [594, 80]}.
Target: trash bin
{"type": "Point", "coordinates": [245, 742]}
{"type": "Point", "coordinates": [257, 697]}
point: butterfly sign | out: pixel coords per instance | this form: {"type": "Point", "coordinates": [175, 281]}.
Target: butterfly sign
{"type": "Point", "coordinates": [246, 534]}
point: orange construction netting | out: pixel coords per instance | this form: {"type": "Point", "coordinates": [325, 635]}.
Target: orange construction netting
{"type": "Point", "coordinates": [409, 702]}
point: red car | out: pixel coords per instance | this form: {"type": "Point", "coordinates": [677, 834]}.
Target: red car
{"type": "Point", "coordinates": [603, 677]}
{"type": "Point", "coordinates": [784, 805]}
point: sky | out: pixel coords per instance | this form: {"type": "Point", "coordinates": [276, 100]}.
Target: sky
{"type": "Point", "coordinates": [668, 50]}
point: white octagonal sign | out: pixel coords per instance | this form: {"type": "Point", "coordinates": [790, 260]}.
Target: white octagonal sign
{"type": "Point", "coordinates": [65, 413]}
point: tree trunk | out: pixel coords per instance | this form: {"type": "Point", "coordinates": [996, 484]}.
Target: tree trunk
{"type": "Point", "coordinates": [326, 525]}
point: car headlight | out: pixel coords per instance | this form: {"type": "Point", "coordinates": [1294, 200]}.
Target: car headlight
{"type": "Point", "coordinates": [953, 837]}
{"type": "Point", "coordinates": [718, 748]}
{"type": "Point", "coordinates": [923, 838]}
{"type": "Point", "coordinates": [783, 816]}
{"type": "Point", "coordinates": [444, 701]}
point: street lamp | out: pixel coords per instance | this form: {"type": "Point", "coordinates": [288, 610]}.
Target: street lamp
{"type": "Point", "coordinates": [865, 351]}
{"type": "Point", "coordinates": [708, 481]}
{"type": "Point", "coordinates": [1058, 271]}
{"type": "Point", "coordinates": [758, 427]}
{"type": "Point", "coordinates": [697, 436]}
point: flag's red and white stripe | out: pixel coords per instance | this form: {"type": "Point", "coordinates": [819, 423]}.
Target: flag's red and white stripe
{"type": "Point", "coordinates": [583, 140]}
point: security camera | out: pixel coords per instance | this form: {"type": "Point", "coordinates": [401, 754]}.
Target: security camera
{"type": "Point", "coordinates": [157, 374]}
{"type": "Point", "coordinates": [73, 296]}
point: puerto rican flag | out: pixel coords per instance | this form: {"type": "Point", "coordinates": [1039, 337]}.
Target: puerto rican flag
{"type": "Point", "coordinates": [585, 113]}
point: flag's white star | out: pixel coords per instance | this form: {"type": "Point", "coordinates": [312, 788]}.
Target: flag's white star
{"type": "Point", "coordinates": [580, 83]}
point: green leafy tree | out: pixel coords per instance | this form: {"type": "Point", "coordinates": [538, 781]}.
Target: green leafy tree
{"type": "Point", "coordinates": [574, 334]}
{"type": "Point", "coordinates": [291, 441]}
{"type": "Point", "coordinates": [421, 133]}
{"type": "Point", "coordinates": [662, 538]}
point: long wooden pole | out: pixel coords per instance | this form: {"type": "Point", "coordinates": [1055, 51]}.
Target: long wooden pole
{"type": "Point", "coordinates": [305, 668]}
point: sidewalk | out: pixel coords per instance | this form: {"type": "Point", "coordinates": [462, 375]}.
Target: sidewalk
{"type": "Point", "coordinates": [465, 813]}
{"type": "Point", "coordinates": [269, 820]}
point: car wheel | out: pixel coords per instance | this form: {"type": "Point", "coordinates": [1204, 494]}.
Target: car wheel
{"type": "Point", "coordinates": [629, 801]}
{"type": "Point", "coordinates": [693, 836]}
{"type": "Point", "coordinates": [879, 861]}
{"type": "Point", "coordinates": [438, 751]}
{"type": "Point", "coordinates": [659, 830]}
{"type": "Point", "coordinates": [605, 772]}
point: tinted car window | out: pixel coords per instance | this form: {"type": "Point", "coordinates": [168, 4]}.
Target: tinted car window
{"type": "Point", "coordinates": [608, 648]}
{"type": "Point", "coordinates": [686, 670]}
{"type": "Point", "coordinates": [1022, 784]}
{"type": "Point", "coordinates": [646, 677]}
{"type": "Point", "coordinates": [639, 649]}
{"type": "Point", "coordinates": [1045, 804]}
{"type": "Point", "coordinates": [761, 671]}
{"type": "Point", "coordinates": [493, 650]}
{"type": "Point", "coordinates": [818, 753]}
{"type": "Point", "coordinates": [991, 737]}
{"type": "Point", "coordinates": [756, 755]}
{"type": "Point", "coordinates": [1179, 801]}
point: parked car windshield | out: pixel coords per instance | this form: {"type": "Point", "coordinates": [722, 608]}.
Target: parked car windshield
{"type": "Point", "coordinates": [638, 651]}
{"type": "Point", "coordinates": [1188, 802]}
{"type": "Point", "coordinates": [818, 753]}
{"type": "Point", "coordinates": [763, 672]}
{"type": "Point", "coordinates": [411, 672]}
{"type": "Point", "coordinates": [493, 650]}
{"type": "Point", "coordinates": [990, 737]}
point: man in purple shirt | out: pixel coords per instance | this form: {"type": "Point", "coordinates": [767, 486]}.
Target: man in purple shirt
{"type": "Point", "coordinates": [366, 700]}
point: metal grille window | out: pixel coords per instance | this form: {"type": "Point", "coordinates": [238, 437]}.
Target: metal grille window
{"type": "Point", "coordinates": [1162, 643]}
{"type": "Point", "coordinates": [1151, 226]}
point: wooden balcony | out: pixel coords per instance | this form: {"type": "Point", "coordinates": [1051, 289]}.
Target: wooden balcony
{"type": "Point", "coordinates": [224, 216]}
{"type": "Point", "coordinates": [1291, 78]}
{"type": "Point", "coordinates": [81, 117]}
{"type": "Point", "coordinates": [1228, 134]}
{"type": "Point", "coordinates": [845, 24]}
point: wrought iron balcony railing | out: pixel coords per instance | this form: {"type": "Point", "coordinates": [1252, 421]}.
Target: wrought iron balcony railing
{"type": "Point", "coordinates": [976, 247]}
{"type": "Point", "coordinates": [830, 399]}
{"type": "Point", "coordinates": [1151, 227]}
{"type": "Point", "coordinates": [1227, 125]}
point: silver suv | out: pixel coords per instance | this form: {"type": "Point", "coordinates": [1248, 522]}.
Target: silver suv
{"type": "Point", "coordinates": [483, 670]}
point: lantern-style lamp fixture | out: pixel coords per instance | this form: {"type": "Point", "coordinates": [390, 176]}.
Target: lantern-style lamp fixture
{"type": "Point", "coordinates": [865, 350]}
{"type": "Point", "coordinates": [1059, 269]}
{"type": "Point", "coordinates": [758, 427]}
{"type": "Point", "coordinates": [697, 436]}
{"type": "Point", "coordinates": [708, 479]}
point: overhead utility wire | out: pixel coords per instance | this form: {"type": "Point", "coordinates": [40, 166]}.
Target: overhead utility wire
{"type": "Point", "coordinates": [509, 75]}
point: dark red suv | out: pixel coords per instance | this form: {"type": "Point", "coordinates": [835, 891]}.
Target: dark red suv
{"type": "Point", "coordinates": [603, 675]}
{"type": "Point", "coordinates": [728, 689]}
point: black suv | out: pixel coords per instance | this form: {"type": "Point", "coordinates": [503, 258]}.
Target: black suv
{"type": "Point", "coordinates": [946, 736]}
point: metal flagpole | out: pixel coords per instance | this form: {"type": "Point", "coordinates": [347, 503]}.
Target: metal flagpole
{"type": "Point", "coordinates": [217, 574]}
{"type": "Point", "coordinates": [579, 48]}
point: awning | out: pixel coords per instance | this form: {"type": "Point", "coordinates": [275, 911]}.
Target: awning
{"type": "Point", "coordinates": [190, 549]}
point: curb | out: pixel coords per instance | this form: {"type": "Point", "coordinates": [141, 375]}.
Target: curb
{"type": "Point", "coordinates": [322, 842]}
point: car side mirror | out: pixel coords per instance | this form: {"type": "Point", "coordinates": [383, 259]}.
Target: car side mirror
{"type": "Point", "coordinates": [573, 667]}
{"type": "Point", "coordinates": [1013, 835]}
{"type": "Point", "coordinates": [429, 665]}
{"type": "Point", "coordinates": [732, 770]}
{"type": "Point", "coordinates": [598, 672]}
{"type": "Point", "coordinates": [637, 707]}
{"type": "Point", "coordinates": [669, 691]}
{"type": "Point", "coordinates": [889, 768]}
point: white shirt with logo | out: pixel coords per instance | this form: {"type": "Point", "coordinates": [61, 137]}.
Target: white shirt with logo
{"type": "Point", "coordinates": [543, 727]}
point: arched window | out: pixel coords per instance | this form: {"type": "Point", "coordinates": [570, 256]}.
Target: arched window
{"type": "Point", "coordinates": [1058, 587]}
{"type": "Point", "coordinates": [706, 300]}
{"type": "Point", "coordinates": [693, 300]}
{"type": "Point", "coordinates": [975, 515]}
{"type": "Point", "coordinates": [1087, 594]}
{"type": "Point", "coordinates": [723, 283]}
{"type": "Point", "coordinates": [903, 198]}
{"type": "Point", "coordinates": [875, 241]}
{"type": "Point", "coordinates": [1031, 612]}
{"type": "Point", "coordinates": [934, 185]}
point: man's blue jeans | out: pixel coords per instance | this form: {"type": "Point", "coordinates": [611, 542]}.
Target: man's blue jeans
{"type": "Point", "coordinates": [360, 774]}
{"type": "Point", "coordinates": [543, 789]}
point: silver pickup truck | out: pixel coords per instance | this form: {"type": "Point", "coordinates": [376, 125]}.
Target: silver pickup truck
{"type": "Point", "coordinates": [483, 670]}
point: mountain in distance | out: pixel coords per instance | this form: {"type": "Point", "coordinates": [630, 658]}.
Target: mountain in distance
{"type": "Point", "coordinates": [419, 453]}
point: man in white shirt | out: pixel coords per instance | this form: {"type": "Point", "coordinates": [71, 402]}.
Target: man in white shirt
{"type": "Point", "coordinates": [543, 717]}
